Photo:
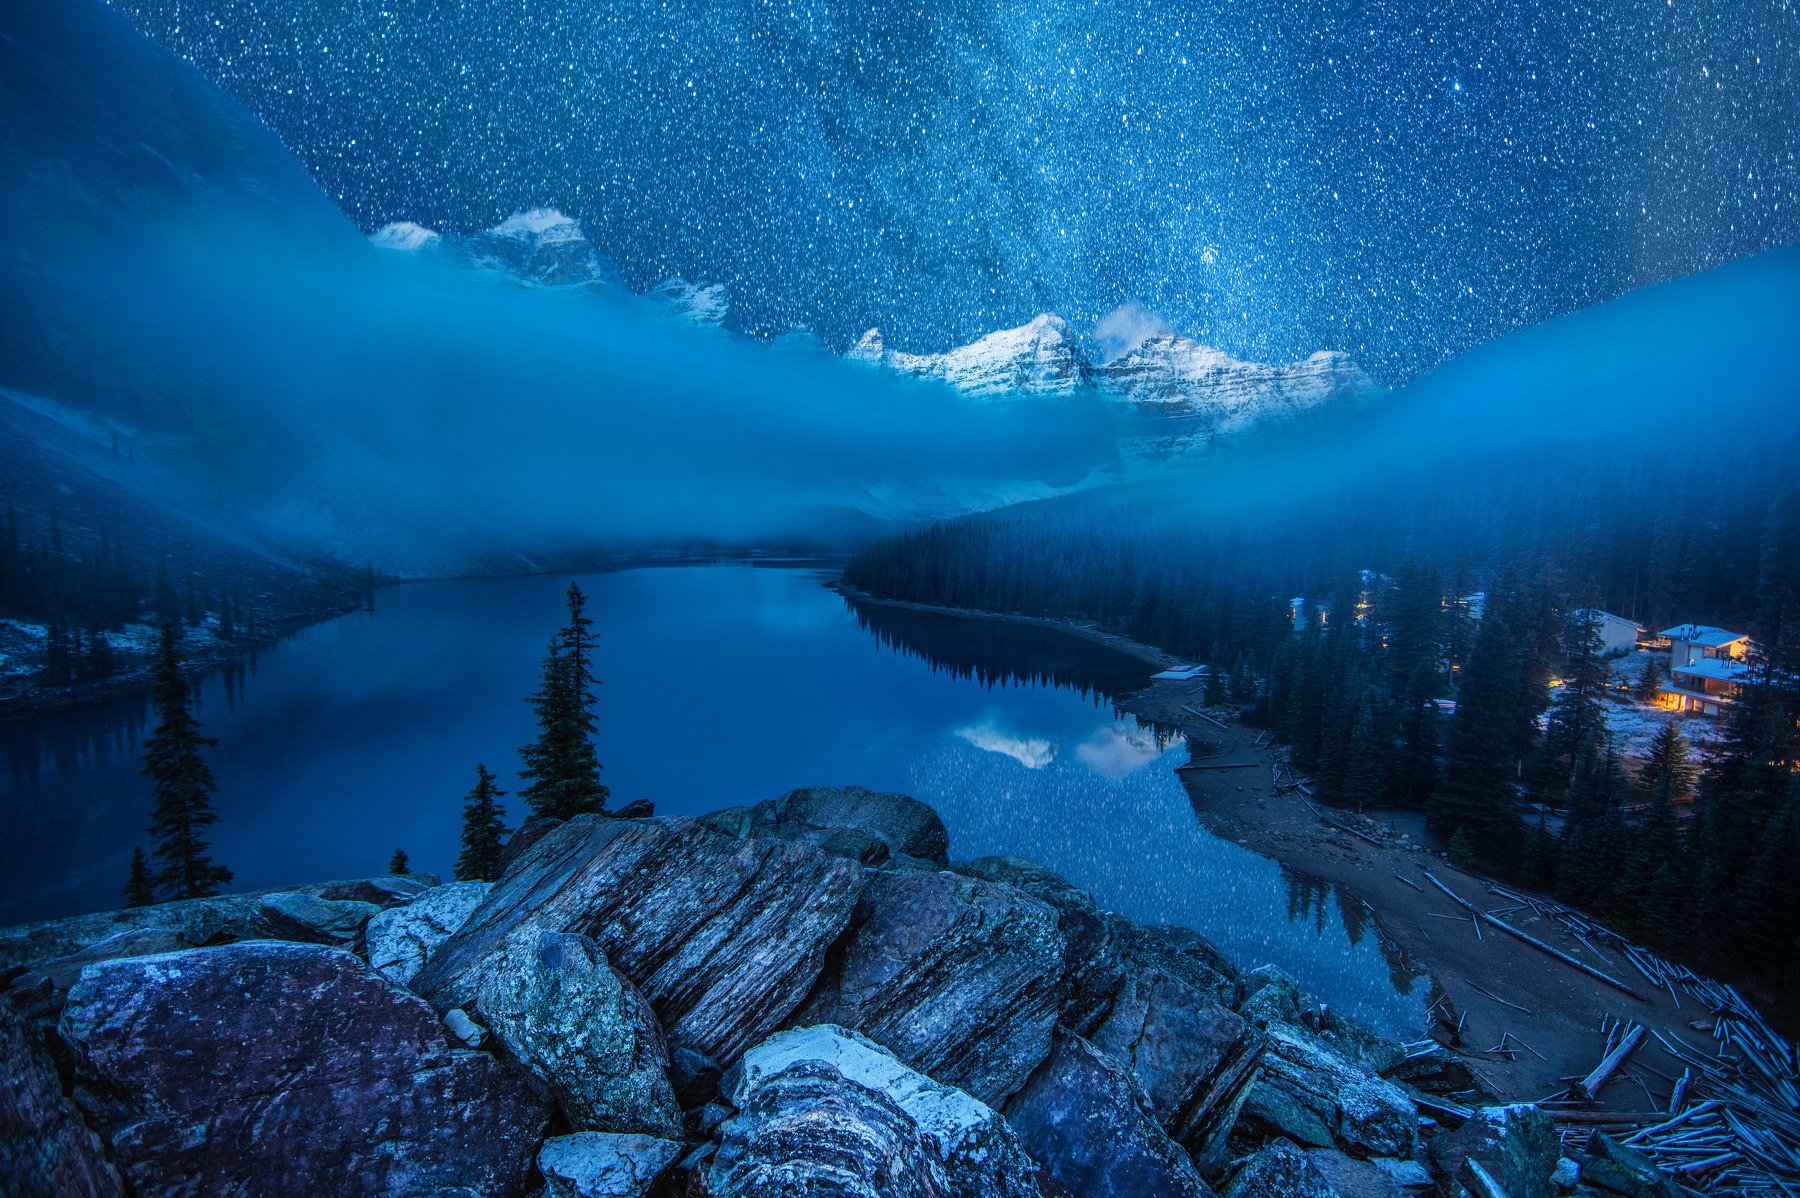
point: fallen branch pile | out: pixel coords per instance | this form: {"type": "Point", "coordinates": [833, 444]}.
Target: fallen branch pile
{"type": "Point", "coordinates": [1731, 1120]}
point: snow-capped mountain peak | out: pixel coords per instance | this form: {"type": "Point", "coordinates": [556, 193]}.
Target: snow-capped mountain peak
{"type": "Point", "coordinates": [704, 304]}
{"type": "Point", "coordinates": [541, 225]}
{"type": "Point", "coordinates": [539, 247]}
{"type": "Point", "coordinates": [404, 235]}
{"type": "Point", "coordinates": [1042, 357]}
{"type": "Point", "coordinates": [1197, 393]}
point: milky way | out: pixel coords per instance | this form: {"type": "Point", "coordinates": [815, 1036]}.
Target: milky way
{"type": "Point", "coordinates": [1399, 180]}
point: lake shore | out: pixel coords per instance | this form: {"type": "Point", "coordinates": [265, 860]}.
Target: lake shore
{"type": "Point", "coordinates": [1087, 630]}
{"type": "Point", "coordinates": [1492, 985]}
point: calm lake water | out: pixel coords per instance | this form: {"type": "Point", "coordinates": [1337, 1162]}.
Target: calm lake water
{"type": "Point", "coordinates": [722, 685]}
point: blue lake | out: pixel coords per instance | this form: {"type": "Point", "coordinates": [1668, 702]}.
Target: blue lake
{"type": "Point", "coordinates": [722, 685]}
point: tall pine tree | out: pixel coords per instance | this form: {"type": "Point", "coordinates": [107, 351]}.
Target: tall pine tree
{"type": "Point", "coordinates": [1646, 889]}
{"type": "Point", "coordinates": [1478, 794]}
{"type": "Point", "coordinates": [560, 765]}
{"type": "Point", "coordinates": [483, 829]}
{"type": "Point", "coordinates": [181, 785]}
{"type": "Point", "coordinates": [1577, 723]}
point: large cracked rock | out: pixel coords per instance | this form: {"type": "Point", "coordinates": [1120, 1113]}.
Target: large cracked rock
{"type": "Point", "coordinates": [1280, 1170]}
{"type": "Point", "coordinates": [568, 1017]}
{"type": "Point", "coordinates": [1091, 961]}
{"type": "Point", "coordinates": [1086, 1121]}
{"type": "Point", "coordinates": [961, 979]}
{"type": "Point", "coordinates": [1316, 1096]}
{"type": "Point", "coordinates": [400, 938]}
{"type": "Point", "coordinates": [46, 1150]}
{"type": "Point", "coordinates": [592, 1164]}
{"type": "Point", "coordinates": [1182, 952]}
{"type": "Point", "coordinates": [330, 913]}
{"type": "Point", "coordinates": [1515, 1145]}
{"type": "Point", "coordinates": [824, 1111]}
{"type": "Point", "coordinates": [724, 937]}
{"type": "Point", "coordinates": [1193, 1058]}
{"type": "Point", "coordinates": [1620, 1170]}
{"type": "Point", "coordinates": [870, 826]}
{"type": "Point", "coordinates": [257, 1069]}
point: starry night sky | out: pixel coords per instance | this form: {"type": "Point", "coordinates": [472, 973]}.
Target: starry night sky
{"type": "Point", "coordinates": [1397, 178]}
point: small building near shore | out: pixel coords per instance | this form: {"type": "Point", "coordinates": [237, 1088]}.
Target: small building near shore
{"type": "Point", "coordinates": [1617, 634]}
{"type": "Point", "coordinates": [1708, 667]}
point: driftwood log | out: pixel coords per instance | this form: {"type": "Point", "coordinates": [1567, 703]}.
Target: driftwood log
{"type": "Point", "coordinates": [1534, 942]}
{"type": "Point", "coordinates": [1593, 1083]}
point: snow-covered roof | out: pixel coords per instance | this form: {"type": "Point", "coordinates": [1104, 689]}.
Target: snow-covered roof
{"type": "Point", "coordinates": [1595, 614]}
{"type": "Point", "coordinates": [1704, 635]}
{"type": "Point", "coordinates": [1714, 668]}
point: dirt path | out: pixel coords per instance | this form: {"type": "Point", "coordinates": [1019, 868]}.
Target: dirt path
{"type": "Point", "coordinates": [1487, 978]}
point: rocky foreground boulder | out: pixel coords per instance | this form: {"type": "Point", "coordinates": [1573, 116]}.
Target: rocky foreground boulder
{"type": "Point", "coordinates": [800, 997]}
{"type": "Point", "coordinates": [724, 937]}
{"type": "Point", "coordinates": [824, 1110]}
{"type": "Point", "coordinates": [267, 1067]}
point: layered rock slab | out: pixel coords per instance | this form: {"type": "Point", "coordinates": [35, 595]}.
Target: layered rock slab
{"type": "Point", "coordinates": [824, 1111]}
{"type": "Point", "coordinates": [1318, 1097]}
{"type": "Point", "coordinates": [46, 1150]}
{"type": "Point", "coordinates": [962, 979]}
{"type": "Point", "coordinates": [1193, 1058]}
{"type": "Point", "coordinates": [264, 1068]}
{"type": "Point", "coordinates": [1084, 1119]}
{"type": "Point", "coordinates": [724, 937]}
{"type": "Point", "coordinates": [330, 913]}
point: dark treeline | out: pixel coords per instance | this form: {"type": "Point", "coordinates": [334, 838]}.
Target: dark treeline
{"type": "Point", "coordinates": [1457, 582]}
{"type": "Point", "coordinates": [81, 587]}
{"type": "Point", "coordinates": [81, 584]}
{"type": "Point", "coordinates": [1001, 654]}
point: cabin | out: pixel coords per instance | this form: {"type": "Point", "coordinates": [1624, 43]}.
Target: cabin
{"type": "Point", "coordinates": [1707, 669]}
{"type": "Point", "coordinates": [1617, 634]}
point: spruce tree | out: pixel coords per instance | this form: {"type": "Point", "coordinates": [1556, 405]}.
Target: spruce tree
{"type": "Point", "coordinates": [181, 784]}
{"type": "Point", "coordinates": [1577, 723]}
{"type": "Point", "coordinates": [1477, 792]}
{"type": "Point", "coordinates": [1643, 882]}
{"type": "Point", "coordinates": [140, 887]}
{"type": "Point", "coordinates": [1592, 837]}
{"type": "Point", "coordinates": [560, 765]}
{"type": "Point", "coordinates": [1365, 762]}
{"type": "Point", "coordinates": [399, 864]}
{"type": "Point", "coordinates": [482, 832]}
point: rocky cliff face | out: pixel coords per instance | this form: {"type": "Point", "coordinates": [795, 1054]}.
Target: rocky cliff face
{"type": "Point", "coordinates": [805, 997]}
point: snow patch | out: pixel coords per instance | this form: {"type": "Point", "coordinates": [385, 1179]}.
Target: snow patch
{"type": "Point", "coordinates": [946, 1113]}
{"type": "Point", "coordinates": [404, 235]}
{"type": "Point", "coordinates": [542, 224]}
